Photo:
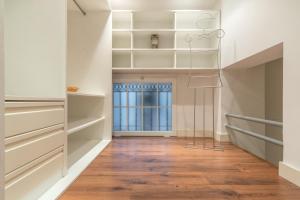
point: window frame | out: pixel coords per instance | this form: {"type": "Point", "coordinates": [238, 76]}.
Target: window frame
{"type": "Point", "coordinates": [149, 133]}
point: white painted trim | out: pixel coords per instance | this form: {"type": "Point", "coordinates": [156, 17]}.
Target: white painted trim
{"type": "Point", "coordinates": [190, 133]}
{"type": "Point", "coordinates": [290, 173]}
{"type": "Point", "coordinates": [83, 94]}
{"type": "Point", "coordinates": [144, 133]}
{"type": "Point", "coordinates": [222, 137]}
{"type": "Point", "coordinates": [20, 98]}
{"type": "Point", "coordinates": [265, 56]}
{"type": "Point", "coordinates": [74, 171]}
{"type": "Point", "coordinates": [75, 126]}
{"type": "Point", "coordinates": [1, 101]}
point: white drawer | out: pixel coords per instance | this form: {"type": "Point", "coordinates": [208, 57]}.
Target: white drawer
{"type": "Point", "coordinates": [22, 117]}
{"type": "Point", "coordinates": [24, 148]}
{"type": "Point", "coordinates": [31, 182]}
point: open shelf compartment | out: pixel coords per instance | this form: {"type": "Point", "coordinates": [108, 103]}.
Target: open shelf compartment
{"type": "Point", "coordinates": [183, 38]}
{"type": "Point", "coordinates": [121, 58]}
{"type": "Point", "coordinates": [81, 143]}
{"type": "Point", "coordinates": [121, 39]}
{"type": "Point", "coordinates": [200, 60]}
{"type": "Point", "coordinates": [142, 39]}
{"type": "Point", "coordinates": [84, 112]}
{"type": "Point", "coordinates": [197, 19]}
{"type": "Point", "coordinates": [153, 59]}
{"type": "Point", "coordinates": [153, 20]}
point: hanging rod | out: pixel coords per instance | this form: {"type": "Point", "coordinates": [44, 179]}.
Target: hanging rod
{"type": "Point", "coordinates": [257, 120]}
{"type": "Point", "coordinates": [79, 7]}
{"type": "Point", "coordinates": [256, 135]}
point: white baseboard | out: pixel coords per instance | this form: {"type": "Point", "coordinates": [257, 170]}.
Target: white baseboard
{"type": "Point", "coordinates": [57, 190]}
{"type": "Point", "coordinates": [290, 173]}
{"type": "Point", "coordinates": [222, 137]}
{"type": "Point", "coordinates": [190, 133]}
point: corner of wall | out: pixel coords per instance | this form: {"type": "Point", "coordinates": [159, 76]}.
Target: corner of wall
{"type": "Point", "coordinates": [289, 173]}
{"type": "Point", "coordinates": [222, 137]}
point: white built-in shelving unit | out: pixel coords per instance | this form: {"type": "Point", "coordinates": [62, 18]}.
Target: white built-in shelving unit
{"type": "Point", "coordinates": [88, 111]}
{"type": "Point", "coordinates": [132, 32]}
{"type": "Point", "coordinates": [87, 122]}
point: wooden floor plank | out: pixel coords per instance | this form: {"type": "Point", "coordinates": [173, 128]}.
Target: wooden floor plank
{"type": "Point", "coordinates": [162, 169]}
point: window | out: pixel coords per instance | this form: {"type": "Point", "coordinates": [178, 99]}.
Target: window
{"type": "Point", "coordinates": [142, 106]}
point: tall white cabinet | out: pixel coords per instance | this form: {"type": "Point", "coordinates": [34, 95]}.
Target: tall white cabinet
{"type": "Point", "coordinates": [51, 135]}
{"type": "Point", "coordinates": [35, 59]}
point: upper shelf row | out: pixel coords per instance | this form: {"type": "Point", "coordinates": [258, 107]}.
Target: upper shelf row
{"type": "Point", "coordinates": [172, 20]}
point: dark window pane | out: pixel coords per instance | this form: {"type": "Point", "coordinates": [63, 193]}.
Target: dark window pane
{"type": "Point", "coordinates": [150, 98]}
{"type": "Point", "coordinates": [150, 94]}
{"type": "Point", "coordinates": [150, 119]}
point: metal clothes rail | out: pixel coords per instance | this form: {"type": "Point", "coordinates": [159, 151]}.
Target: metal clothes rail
{"type": "Point", "coordinates": [253, 134]}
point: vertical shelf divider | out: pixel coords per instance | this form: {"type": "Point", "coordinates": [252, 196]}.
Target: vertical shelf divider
{"type": "Point", "coordinates": [175, 40]}
{"type": "Point", "coordinates": [131, 40]}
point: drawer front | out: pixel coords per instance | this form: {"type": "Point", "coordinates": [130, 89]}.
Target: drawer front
{"type": "Point", "coordinates": [33, 183]}
{"type": "Point", "coordinates": [25, 117]}
{"type": "Point", "coordinates": [25, 148]}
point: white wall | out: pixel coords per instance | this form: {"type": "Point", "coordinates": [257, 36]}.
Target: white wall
{"type": "Point", "coordinates": [1, 102]}
{"type": "Point", "coordinates": [274, 109]}
{"type": "Point", "coordinates": [184, 108]}
{"type": "Point", "coordinates": [262, 24]}
{"type": "Point", "coordinates": [244, 94]}
{"type": "Point", "coordinates": [35, 48]}
{"type": "Point", "coordinates": [162, 4]}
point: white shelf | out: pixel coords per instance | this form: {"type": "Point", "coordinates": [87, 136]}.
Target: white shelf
{"type": "Point", "coordinates": [86, 94]}
{"type": "Point", "coordinates": [121, 30]}
{"type": "Point", "coordinates": [166, 49]}
{"type": "Point", "coordinates": [206, 30]}
{"type": "Point", "coordinates": [20, 98]}
{"type": "Point", "coordinates": [152, 50]}
{"type": "Point", "coordinates": [78, 148]}
{"type": "Point", "coordinates": [163, 70]}
{"type": "Point", "coordinates": [76, 125]}
{"type": "Point", "coordinates": [121, 49]}
{"type": "Point", "coordinates": [153, 30]}
{"type": "Point", "coordinates": [146, 30]}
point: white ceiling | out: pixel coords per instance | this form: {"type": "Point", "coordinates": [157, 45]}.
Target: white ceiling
{"type": "Point", "coordinates": [163, 4]}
